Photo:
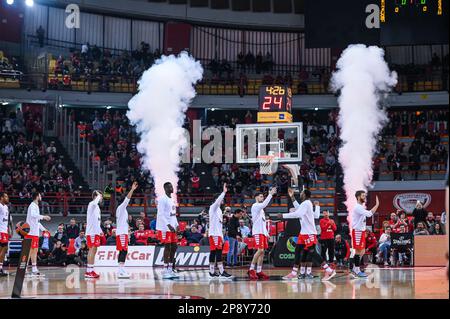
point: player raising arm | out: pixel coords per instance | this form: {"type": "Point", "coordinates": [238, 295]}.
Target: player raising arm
{"type": "Point", "coordinates": [122, 238]}
{"type": "Point", "coordinates": [307, 239]}
{"type": "Point", "coordinates": [216, 237]}
{"type": "Point", "coordinates": [260, 234]}
{"type": "Point", "coordinates": [93, 232]}
{"type": "Point", "coordinates": [358, 226]}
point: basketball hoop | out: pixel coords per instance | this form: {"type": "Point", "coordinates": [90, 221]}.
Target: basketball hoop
{"type": "Point", "coordinates": [267, 164]}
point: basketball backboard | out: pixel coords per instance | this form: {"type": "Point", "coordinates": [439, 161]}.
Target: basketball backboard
{"type": "Point", "coordinates": [283, 139]}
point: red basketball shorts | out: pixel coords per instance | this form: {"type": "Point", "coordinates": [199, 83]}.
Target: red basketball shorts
{"type": "Point", "coordinates": [167, 237]}
{"type": "Point", "coordinates": [261, 241]}
{"type": "Point", "coordinates": [358, 239]}
{"type": "Point", "coordinates": [34, 241]}
{"type": "Point", "coordinates": [122, 242]}
{"type": "Point", "coordinates": [93, 241]}
{"type": "Point", "coordinates": [4, 238]}
{"type": "Point", "coordinates": [307, 240]}
{"type": "Point", "coordinates": [215, 242]}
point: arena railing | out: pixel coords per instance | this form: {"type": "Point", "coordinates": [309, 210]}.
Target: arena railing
{"type": "Point", "coordinates": [209, 86]}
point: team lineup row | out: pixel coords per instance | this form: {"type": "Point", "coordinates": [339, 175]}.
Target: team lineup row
{"type": "Point", "coordinates": [167, 228]}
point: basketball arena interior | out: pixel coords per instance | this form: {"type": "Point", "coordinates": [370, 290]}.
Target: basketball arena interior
{"type": "Point", "coordinates": [252, 149]}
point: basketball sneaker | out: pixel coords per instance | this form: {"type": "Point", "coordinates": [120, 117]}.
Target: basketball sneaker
{"type": "Point", "coordinates": [252, 274]}
{"type": "Point", "coordinates": [309, 276]}
{"type": "Point", "coordinates": [123, 274]}
{"type": "Point", "coordinates": [290, 276]}
{"type": "Point", "coordinates": [301, 276]}
{"type": "Point", "coordinates": [213, 275]}
{"type": "Point", "coordinates": [174, 275]}
{"type": "Point", "coordinates": [362, 274]}
{"type": "Point", "coordinates": [262, 276]}
{"type": "Point", "coordinates": [91, 274]}
{"type": "Point", "coordinates": [225, 275]}
{"type": "Point", "coordinates": [3, 273]}
{"type": "Point", "coordinates": [329, 275]}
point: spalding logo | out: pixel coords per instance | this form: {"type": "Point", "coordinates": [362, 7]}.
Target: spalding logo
{"type": "Point", "coordinates": [407, 201]}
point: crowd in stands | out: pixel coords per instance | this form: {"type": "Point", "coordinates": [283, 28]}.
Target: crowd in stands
{"type": "Point", "coordinates": [9, 66]}
{"type": "Point", "coordinates": [425, 152]}
{"type": "Point", "coordinates": [28, 163]}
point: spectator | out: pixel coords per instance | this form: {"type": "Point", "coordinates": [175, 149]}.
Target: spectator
{"type": "Point", "coordinates": [60, 235]}
{"type": "Point", "coordinates": [437, 229]}
{"type": "Point", "coordinates": [429, 222]}
{"type": "Point", "coordinates": [384, 246]}
{"type": "Point", "coordinates": [81, 254]}
{"type": "Point", "coordinates": [45, 245]}
{"type": "Point", "coordinates": [243, 229]}
{"type": "Point", "coordinates": [327, 229]}
{"type": "Point", "coordinates": [40, 33]}
{"type": "Point", "coordinates": [233, 234]}
{"type": "Point", "coordinates": [141, 235]}
{"type": "Point", "coordinates": [145, 220]}
{"type": "Point", "coordinates": [72, 230]}
{"type": "Point", "coordinates": [205, 240]}
{"type": "Point", "coordinates": [420, 229]}
{"type": "Point", "coordinates": [194, 236]}
{"type": "Point", "coordinates": [419, 213]}
{"type": "Point", "coordinates": [371, 244]}
{"type": "Point", "coordinates": [59, 255]}
{"type": "Point", "coordinates": [341, 250]}
{"type": "Point", "coordinates": [79, 240]}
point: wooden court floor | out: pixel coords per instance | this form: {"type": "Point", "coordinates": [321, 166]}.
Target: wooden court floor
{"type": "Point", "coordinates": [388, 283]}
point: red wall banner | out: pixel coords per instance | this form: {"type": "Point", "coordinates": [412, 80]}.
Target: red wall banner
{"type": "Point", "coordinates": [390, 201]}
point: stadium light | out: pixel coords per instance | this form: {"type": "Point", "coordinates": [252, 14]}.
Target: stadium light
{"type": "Point", "coordinates": [10, 2]}
{"type": "Point", "coordinates": [29, 3]}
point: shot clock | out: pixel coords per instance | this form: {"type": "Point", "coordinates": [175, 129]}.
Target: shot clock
{"type": "Point", "coordinates": [275, 104]}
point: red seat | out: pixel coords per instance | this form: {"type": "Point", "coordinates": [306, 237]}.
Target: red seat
{"type": "Point", "coordinates": [273, 230]}
{"type": "Point", "coordinates": [280, 227]}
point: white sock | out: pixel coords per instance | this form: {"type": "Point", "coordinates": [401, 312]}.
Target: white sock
{"type": "Point", "coordinates": [169, 267]}
{"type": "Point", "coordinates": [356, 269]}
{"type": "Point", "coordinates": [294, 270]}
{"type": "Point", "coordinates": [90, 268]}
{"type": "Point", "coordinates": [211, 268]}
{"type": "Point", "coordinates": [1, 266]}
{"type": "Point", "coordinates": [308, 270]}
{"type": "Point", "coordinates": [302, 270]}
{"type": "Point", "coordinates": [121, 269]}
{"type": "Point", "coordinates": [252, 267]}
{"type": "Point", "coordinates": [258, 268]}
{"type": "Point", "coordinates": [221, 270]}
{"type": "Point", "coordinates": [34, 268]}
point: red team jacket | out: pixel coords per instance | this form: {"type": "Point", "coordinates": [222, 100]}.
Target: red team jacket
{"type": "Point", "coordinates": [327, 227]}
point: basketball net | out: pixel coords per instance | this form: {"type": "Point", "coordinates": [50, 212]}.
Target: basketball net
{"type": "Point", "coordinates": [267, 164]}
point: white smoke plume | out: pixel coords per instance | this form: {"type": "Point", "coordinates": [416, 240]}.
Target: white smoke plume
{"type": "Point", "coordinates": [158, 111]}
{"type": "Point", "coordinates": [362, 77]}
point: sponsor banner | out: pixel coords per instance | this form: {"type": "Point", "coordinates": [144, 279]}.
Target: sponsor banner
{"type": "Point", "coordinates": [186, 256]}
{"type": "Point", "coordinates": [149, 256]}
{"type": "Point", "coordinates": [390, 201]}
{"type": "Point", "coordinates": [405, 240]}
{"type": "Point", "coordinates": [137, 256]}
{"type": "Point", "coordinates": [283, 253]}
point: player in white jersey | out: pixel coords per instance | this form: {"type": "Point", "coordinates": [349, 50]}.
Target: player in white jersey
{"type": "Point", "coordinates": [166, 227]}
{"type": "Point", "coordinates": [93, 232]}
{"type": "Point", "coordinates": [358, 226]}
{"type": "Point", "coordinates": [260, 234]}
{"type": "Point", "coordinates": [33, 220]}
{"type": "Point", "coordinates": [216, 237]}
{"type": "Point", "coordinates": [122, 232]}
{"type": "Point", "coordinates": [5, 230]}
{"type": "Point", "coordinates": [307, 239]}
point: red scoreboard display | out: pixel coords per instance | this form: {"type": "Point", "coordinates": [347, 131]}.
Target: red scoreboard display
{"type": "Point", "coordinates": [275, 103]}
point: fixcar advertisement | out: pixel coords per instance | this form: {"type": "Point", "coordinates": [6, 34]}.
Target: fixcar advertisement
{"type": "Point", "coordinates": [149, 256]}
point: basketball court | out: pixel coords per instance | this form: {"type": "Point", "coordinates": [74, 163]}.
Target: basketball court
{"type": "Point", "coordinates": [147, 283]}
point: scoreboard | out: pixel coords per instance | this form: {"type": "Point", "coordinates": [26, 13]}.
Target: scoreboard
{"type": "Point", "coordinates": [275, 104]}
